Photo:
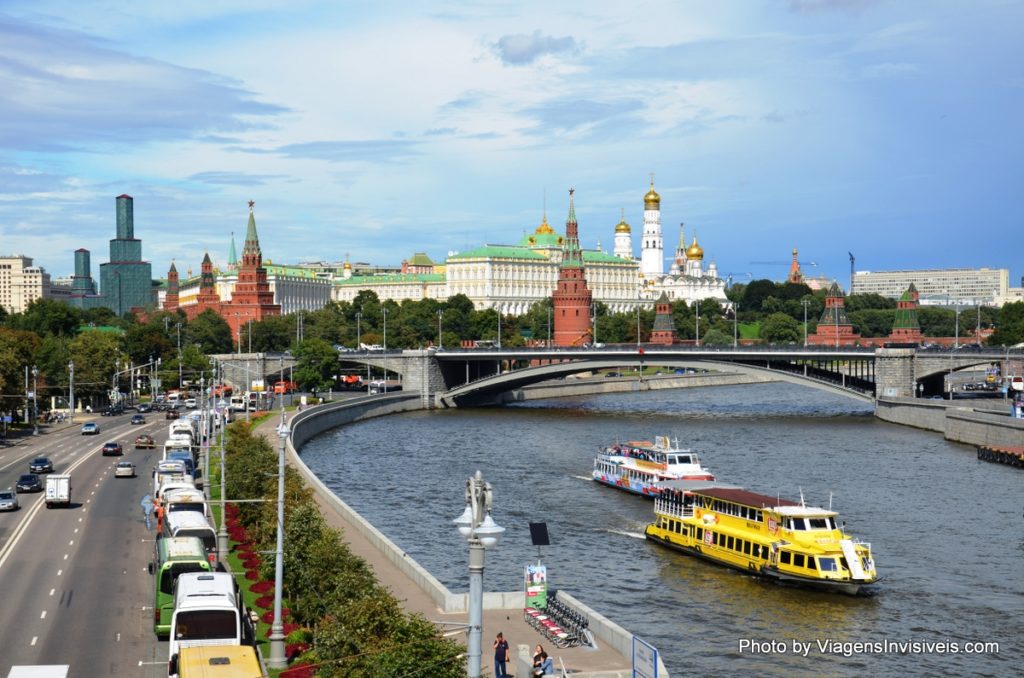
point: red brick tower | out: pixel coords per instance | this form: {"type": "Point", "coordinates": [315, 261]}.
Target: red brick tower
{"type": "Point", "coordinates": [571, 299]}
{"type": "Point", "coordinates": [171, 300]}
{"type": "Point", "coordinates": [208, 297]}
{"type": "Point", "coordinates": [252, 299]}
{"type": "Point", "coordinates": [795, 274]}
{"type": "Point", "coordinates": [834, 328]}
{"type": "Point", "coordinates": [905, 326]}
{"type": "Point", "coordinates": [664, 331]}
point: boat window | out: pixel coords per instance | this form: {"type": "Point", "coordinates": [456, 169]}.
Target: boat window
{"type": "Point", "coordinates": [798, 560]}
{"type": "Point", "coordinates": [827, 564]}
{"type": "Point", "coordinates": [728, 543]}
{"type": "Point", "coordinates": [700, 533]}
{"type": "Point", "coordinates": [819, 523]}
{"type": "Point", "coordinates": [684, 460]}
{"type": "Point", "coordinates": [746, 548]}
{"type": "Point", "coordinates": [810, 562]}
{"type": "Point", "coordinates": [784, 557]}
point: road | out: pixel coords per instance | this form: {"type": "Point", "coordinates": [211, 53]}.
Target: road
{"type": "Point", "coordinates": [74, 581]}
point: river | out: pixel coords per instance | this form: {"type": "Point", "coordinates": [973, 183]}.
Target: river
{"type": "Point", "coordinates": [946, 529]}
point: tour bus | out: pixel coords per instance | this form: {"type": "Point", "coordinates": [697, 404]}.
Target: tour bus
{"type": "Point", "coordinates": [208, 610]}
{"type": "Point", "coordinates": [192, 524]}
{"type": "Point", "coordinates": [218, 661]}
{"type": "Point", "coordinates": [186, 456]}
{"type": "Point", "coordinates": [168, 468]}
{"type": "Point", "coordinates": [173, 557]}
{"type": "Point", "coordinates": [186, 500]}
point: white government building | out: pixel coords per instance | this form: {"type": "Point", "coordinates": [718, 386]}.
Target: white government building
{"type": "Point", "coordinates": [942, 287]}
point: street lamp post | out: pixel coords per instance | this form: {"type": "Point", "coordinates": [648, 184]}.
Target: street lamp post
{"type": "Point", "coordinates": [385, 309]}
{"type": "Point", "coordinates": [71, 385]}
{"type": "Point", "coordinates": [179, 356]}
{"type": "Point", "coordinates": [638, 325]}
{"type": "Point", "coordinates": [696, 307]}
{"type": "Point", "coordinates": [549, 325]}
{"type": "Point", "coordinates": [439, 314]}
{"type": "Point", "coordinates": [478, 528]}
{"type": "Point", "coordinates": [736, 324]}
{"type": "Point", "coordinates": [499, 326]}
{"type": "Point", "coordinates": [277, 659]}
{"type": "Point", "coordinates": [35, 400]}
{"type": "Point", "coordinates": [804, 302]}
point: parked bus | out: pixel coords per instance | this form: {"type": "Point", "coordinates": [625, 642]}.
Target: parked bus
{"type": "Point", "coordinates": [192, 524]}
{"type": "Point", "coordinates": [208, 610]}
{"type": "Point", "coordinates": [186, 500]}
{"type": "Point", "coordinates": [174, 557]}
{"type": "Point", "coordinates": [218, 661]}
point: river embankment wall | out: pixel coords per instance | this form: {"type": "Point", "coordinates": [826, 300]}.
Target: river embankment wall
{"type": "Point", "coordinates": [982, 424]}
{"type": "Point", "coordinates": [316, 420]}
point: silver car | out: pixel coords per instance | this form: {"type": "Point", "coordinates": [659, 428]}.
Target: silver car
{"type": "Point", "coordinates": [124, 469]}
{"type": "Point", "coordinates": [8, 501]}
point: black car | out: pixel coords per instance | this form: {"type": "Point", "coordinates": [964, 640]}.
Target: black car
{"type": "Point", "coordinates": [112, 449]}
{"type": "Point", "coordinates": [138, 419]}
{"type": "Point", "coordinates": [41, 465]}
{"type": "Point", "coordinates": [29, 482]}
{"type": "Point", "coordinates": [144, 407]}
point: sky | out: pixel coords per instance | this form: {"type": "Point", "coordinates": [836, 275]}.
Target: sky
{"type": "Point", "coordinates": [891, 130]}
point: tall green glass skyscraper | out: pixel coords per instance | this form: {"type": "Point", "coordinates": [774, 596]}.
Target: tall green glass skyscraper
{"type": "Point", "coordinates": [126, 281]}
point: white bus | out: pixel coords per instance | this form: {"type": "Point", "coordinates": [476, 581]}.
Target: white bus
{"type": "Point", "coordinates": [192, 524]}
{"type": "Point", "coordinates": [207, 611]}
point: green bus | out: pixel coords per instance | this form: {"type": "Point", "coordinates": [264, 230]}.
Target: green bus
{"type": "Point", "coordinates": [174, 555]}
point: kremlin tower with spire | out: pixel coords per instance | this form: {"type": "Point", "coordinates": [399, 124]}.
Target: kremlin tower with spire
{"type": "Point", "coordinates": [572, 298]}
{"type": "Point", "coordinates": [652, 263]}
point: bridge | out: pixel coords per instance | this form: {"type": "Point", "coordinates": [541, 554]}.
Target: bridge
{"type": "Point", "coordinates": [457, 377]}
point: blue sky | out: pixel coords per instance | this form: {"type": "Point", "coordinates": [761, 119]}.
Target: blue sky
{"type": "Point", "coordinates": [889, 129]}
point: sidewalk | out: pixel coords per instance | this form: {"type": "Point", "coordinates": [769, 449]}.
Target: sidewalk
{"type": "Point", "coordinates": [602, 662]}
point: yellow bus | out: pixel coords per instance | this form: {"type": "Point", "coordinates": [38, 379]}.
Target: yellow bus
{"type": "Point", "coordinates": [174, 556]}
{"type": "Point", "coordinates": [218, 661]}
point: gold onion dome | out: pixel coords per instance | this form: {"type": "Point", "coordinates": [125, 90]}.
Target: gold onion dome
{"type": "Point", "coordinates": [652, 200]}
{"type": "Point", "coordinates": [694, 251]}
{"type": "Point", "coordinates": [544, 229]}
{"type": "Point", "coordinates": [622, 227]}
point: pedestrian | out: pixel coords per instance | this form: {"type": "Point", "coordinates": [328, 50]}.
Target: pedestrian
{"type": "Point", "coordinates": [500, 656]}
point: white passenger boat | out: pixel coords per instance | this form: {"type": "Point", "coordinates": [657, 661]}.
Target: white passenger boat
{"type": "Point", "coordinates": [640, 466]}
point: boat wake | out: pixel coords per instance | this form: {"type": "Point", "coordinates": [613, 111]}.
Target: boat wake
{"type": "Point", "coordinates": [587, 478]}
{"type": "Point", "coordinates": [625, 533]}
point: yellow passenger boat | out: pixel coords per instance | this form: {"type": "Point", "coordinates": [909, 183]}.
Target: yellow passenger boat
{"type": "Point", "coordinates": [774, 538]}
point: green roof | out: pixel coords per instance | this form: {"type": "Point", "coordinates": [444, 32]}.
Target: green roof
{"type": "Point", "coordinates": [100, 328]}
{"type": "Point", "coordinates": [420, 259]}
{"type": "Point", "coordinates": [295, 271]}
{"type": "Point", "coordinates": [598, 257]}
{"type": "Point", "coordinates": [500, 252]}
{"type": "Point", "coordinates": [542, 240]}
{"type": "Point", "coordinates": [390, 278]}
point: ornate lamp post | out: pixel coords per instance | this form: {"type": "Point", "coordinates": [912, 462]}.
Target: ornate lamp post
{"type": "Point", "coordinates": [385, 309]}
{"type": "Point", "coordinates": [71, 385]}
{"type": "Point", "coordinates": [804, 303]}
{"type": "Point", "coordinates": [478, 528]}
{"type": "Point", "coordinates": [439, 314]}
{"type": "Point", "coordinates": [277, 659]}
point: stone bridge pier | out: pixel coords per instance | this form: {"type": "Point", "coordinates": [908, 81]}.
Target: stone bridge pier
{"type": "Point", "coordinates": [898, 371]}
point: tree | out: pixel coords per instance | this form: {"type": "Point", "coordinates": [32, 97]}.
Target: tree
{"type": "Point", "coordinates": [779, 328]}
{"type": "Point", "coordinates": [210, 332]}
{"type": "Point", "coordinates": [97, 355]}
{"type": "Point", "coordinates": [756, 292]}
{"type": "Point", "coordinates": [1009, 325]}
{"type": "Point", "coordinates": [273, 333]}
{"type": "Point", "coordinates": [716, 337]}
{"type": "Point", "coordinates": [316, 362]}
{"type": "Point", "coordinates": [18, 350]}
{"type": "Point", "coordinates": [47, 317]}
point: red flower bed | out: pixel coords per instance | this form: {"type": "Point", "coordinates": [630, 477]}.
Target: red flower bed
{"type": "Point", "coordinates": [252, 563]}
{"type": "Point", "coordinates": [304, 671]}
{"type": "Point", "coordinates": [266, 602]}
{"type": "Point", "coordinates": [252, 575]}
{"type": "Point", "coordinates": [294, 650]}
{"type": "Point", "coordinates": [262, 587]}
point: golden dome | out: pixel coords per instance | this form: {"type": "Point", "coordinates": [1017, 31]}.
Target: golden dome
{"type": "Point", "coordinates": [694, 251]}
{"type": "Point", "coordinates": [622, 226]}
{"type": "Point", "coordinates": [652, 201]}
{"type": "Point", "coordinates": [348, 265]}
{"type": "Point", "coordinates": [544, 229]}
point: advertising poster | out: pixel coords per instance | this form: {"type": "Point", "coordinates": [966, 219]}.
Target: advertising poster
{"type": "Point", "coordinates": [537, 586]}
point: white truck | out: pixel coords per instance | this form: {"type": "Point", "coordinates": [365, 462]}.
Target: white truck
{"type": "Point", "coordinates": [58, 490]}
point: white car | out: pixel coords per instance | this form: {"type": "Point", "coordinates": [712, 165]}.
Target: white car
{"type": "Point", "coordinates": [8, 501]}
{"type": "Point", "coordinates": [124, 469]}
{"type": "Point", "coordinates": [190, 403]}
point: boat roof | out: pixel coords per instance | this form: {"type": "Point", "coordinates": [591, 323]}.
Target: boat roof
{"type": "Point", "coordinates": [695, 485]}
{"type": "Point", "coordinates": [740, 496]}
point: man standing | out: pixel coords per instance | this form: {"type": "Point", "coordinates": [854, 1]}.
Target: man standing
{"type": "Point", "coordinates": [500, 656]}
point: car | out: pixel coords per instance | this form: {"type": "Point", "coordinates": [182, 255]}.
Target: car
{"type": "Point", "coordinates": [8, 501]}
{"type": "Point", "coordinates": [190, 403]}
{"type": "Point", "coordinates": [41, 465]}
{"type": "Point", "coordinates": [28, 482]}
{"type": "Point", "coordinates": [124, 469]}
{"type": "Point", "coordinates": [171, 414]}
{"type": "Point", "coordinates": [144, 441]}
{"type": "Point", "coordinates": [613, 374]}
{"type": "Point", "coordinates": [113, 448]}
{"type": "Point", "coordinates": [138, 419]}
{"type": "Point", "coordinates": [112, 411]}
{"type": "Point", "coordinates": [90, 428]}
{"type": "Point", "coordinates": [144, 407]}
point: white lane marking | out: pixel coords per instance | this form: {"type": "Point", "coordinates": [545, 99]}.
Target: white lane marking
{"type": "Point", "coordinates": [65, 556]}
{"type": "Point", "coordinates": [43, 615]}
{"type": "Point", "coordinates": [87, 501]}
{"type": "Point", "coordinates": [79, 520]}
{"type": "Point", "coordinates": [76, 530]}
{"type": "Point", "coordinates": [60, 572]}
{"type": "Point", "coordinates": [34, 639]}
{"type": "Point", "coordinates": [142, 663]}
{"type": "Point", "coordinates": [71, 543]}
{"type": "Point", "coordinates": [119, 637]}
{"type": "Point", "coordinates": [52, 591]}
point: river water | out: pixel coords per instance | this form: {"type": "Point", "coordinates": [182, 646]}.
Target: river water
{"type": "Point", "coordinates": [946, 529]}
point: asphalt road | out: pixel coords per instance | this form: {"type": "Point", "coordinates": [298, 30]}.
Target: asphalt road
{"type": "Point", "coordinates": [74, 588]}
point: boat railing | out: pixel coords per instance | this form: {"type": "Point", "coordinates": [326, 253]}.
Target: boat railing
{"type": "Point", "coordinates": [671, 508]}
